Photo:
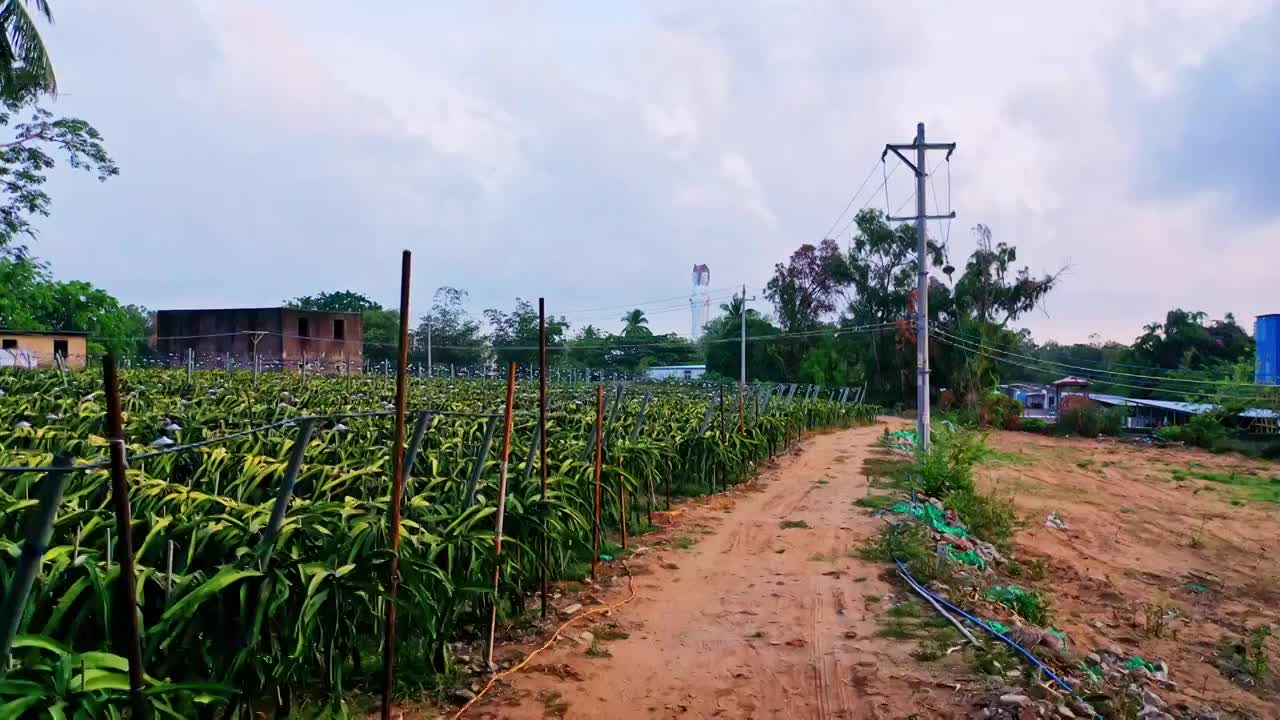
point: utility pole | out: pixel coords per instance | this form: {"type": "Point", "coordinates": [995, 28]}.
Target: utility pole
{"type": "Point", "coordinates": [428, 346]}
{"type": "Point", "coordinates": [922, 270]}
{"type": "Point", "coordinates": [742, 361]}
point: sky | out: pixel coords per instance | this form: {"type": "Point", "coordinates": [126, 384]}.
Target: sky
{"type": "Point", "coordinates": [592, 153]}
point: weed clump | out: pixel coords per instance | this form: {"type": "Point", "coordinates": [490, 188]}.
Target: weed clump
{"type": "Point", "coordinates": [989, 517]}
{"type": "Point", "coordinates": [1247, 662]}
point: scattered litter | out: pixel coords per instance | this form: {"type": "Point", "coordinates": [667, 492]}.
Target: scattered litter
{"type": "Point", "coordinates": [605, 557]}
{"type": "Point", "coordinates": [571, 609]}
{"type": "Point", "coordinates": [969, 557]}
{"type": "Point", "coordinates": [1196, 587]}
{"type": "Point", "coordinates": [1055, 522]}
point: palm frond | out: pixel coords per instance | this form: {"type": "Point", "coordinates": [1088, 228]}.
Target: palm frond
{"type": "Point", "coordinates": [22, 48]}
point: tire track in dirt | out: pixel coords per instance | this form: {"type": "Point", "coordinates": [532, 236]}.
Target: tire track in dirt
{"type": "Point", "coordinates": [755, 620]}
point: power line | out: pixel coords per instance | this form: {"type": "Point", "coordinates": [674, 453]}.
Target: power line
{"type": "Point", "coordinates": [853, 198]}
{"type": "Point", "coordinates": [883, 184]}
{"type": "Point", "coordinates": [1086, 368]}
{"type": "Point", "coordinates": [1014, 363]}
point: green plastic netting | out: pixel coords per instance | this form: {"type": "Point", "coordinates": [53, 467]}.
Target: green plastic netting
{"type": "Point", "coordinates": [930, 514]}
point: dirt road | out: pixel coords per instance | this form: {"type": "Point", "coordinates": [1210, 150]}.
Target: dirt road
{"type": "Point", "coordinates": [766, 614]}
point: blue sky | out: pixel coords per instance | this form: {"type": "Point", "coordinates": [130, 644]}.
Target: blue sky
{"type": "Point", "coordinates": [593, 154]}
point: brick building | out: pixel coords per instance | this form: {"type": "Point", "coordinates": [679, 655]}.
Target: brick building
{"type": "Point", "coordinates": [326, 341]}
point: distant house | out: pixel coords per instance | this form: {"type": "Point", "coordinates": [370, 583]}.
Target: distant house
{"type": "Point", "coordinates": [279, 338]}
{"type": "Point", "coordinates": [37, 348]}
{"type": "Point", "coordinates": [1037, 400]}
{"type": "Point", "coordinates": [675, 372]}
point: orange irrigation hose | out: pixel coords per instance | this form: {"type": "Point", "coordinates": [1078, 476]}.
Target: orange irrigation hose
{"type": "Point", "coordinates": [631, 593]}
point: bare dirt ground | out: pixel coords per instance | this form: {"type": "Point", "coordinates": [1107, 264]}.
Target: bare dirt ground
{"type": "Point", "coordinates": [752, 604]}
{"type": "Point", "coordinates": [1143, 533]}
{"type": "Point", "coordinates": [752, 620]}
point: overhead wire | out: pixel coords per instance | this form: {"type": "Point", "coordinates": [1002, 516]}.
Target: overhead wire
{"type": "Point", "coordinates": [1148, 388]}
{"type": "Point", "coordinates": [852, 199]}
{"type": "Point", "coordinates": [1086, 368]}
{"type": "Point", "coordinates": [883, 184]}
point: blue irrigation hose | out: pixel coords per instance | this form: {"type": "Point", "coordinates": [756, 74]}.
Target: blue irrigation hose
{"type": "Point", "coordinates": [906, 574]}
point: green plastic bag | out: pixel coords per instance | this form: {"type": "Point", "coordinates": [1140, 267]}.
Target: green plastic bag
{"type": "Point", "coordinates": [930, 513]}
{"type": "Point", "coordinates": [1136, 662]}
{"type": "Point", "coordinates": [997, 626]}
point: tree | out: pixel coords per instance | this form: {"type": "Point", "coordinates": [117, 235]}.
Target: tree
{"type": "Point", "coordinates": [455, 337]}
{"type": "Point", "coordinates": [723, 351]}
{"type": "Point", "coordinates": [1184, 341]}
{"type": "Point", "coordinates": [381, 335]}
{"type": "Point", "coordinates": [336, 301]}
{"type": "Point", "coordinates": [28, 156]}
{"type": "Point", "coordinates": [806, 287]}
{"type": "Point", "coordinates": [634, 324]}
{"type": "Point", "coordinates": [23, 57]}
{"type": "Point", "coordinates": [514, 335]}
{"type": "Point", "coordinates": [987, 290]}
{"type": "Point", "coordinates": [880, 269]}
{"type": "Point", "coordinates": [30, 299]}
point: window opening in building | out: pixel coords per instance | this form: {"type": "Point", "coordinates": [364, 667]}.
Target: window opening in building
{"type": "Point", "coordinates": [60, 348]}
{"type": "Point", "coordinates": [10, 344]}
{"type": "Point", "coordinates": [339, 329]}
{"type": "Point", "coordinates": [304, 327]}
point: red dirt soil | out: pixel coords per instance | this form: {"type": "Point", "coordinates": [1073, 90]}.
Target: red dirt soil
{"type": "Point", "coordinates": [1137, 538]}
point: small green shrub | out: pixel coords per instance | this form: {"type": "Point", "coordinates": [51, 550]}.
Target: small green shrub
{"type": "Point", "coordinates": [947, 466]}
{"type": "Point", "coordinates": [989, 517]}
{"type": "Point", "coordinates": [1002, 411]}
{"type": "Point", "coordinates": [1081, 418]}
{"type": "Point", "coordinates": [1035, 425]}
{"type": "Point", "coordinates": [1113, 421]}
{"type": "Point", "coordinates": [1206, 431]}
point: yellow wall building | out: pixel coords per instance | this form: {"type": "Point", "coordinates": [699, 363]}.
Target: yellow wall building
{"type": "Point", "coordinates": [34, 348]}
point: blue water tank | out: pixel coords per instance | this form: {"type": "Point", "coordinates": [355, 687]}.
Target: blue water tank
{"type": "Point", "coordinates": [1266, 334]}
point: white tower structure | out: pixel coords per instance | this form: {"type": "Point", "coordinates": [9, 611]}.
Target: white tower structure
{"type": "Point", "coordinates": [700, 300]}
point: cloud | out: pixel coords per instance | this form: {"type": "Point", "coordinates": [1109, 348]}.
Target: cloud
{"type": "Point", "coordinates": [1211, 129]}
{"type": "Point", "coordinates": [592, 154]}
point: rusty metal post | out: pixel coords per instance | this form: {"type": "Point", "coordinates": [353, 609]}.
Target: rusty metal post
{"type": "Point", "coordinates": [542, 449]}
{"type": "Point", "coordinates": [502, 508]}
{"type": "Point", "coordinates": [397, 487]}
{"type": "Point", "coordinates": [595, 524]}
{"type": "Point", "coordinates": [126, 600]}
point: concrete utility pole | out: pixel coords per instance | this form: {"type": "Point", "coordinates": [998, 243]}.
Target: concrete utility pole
{"type": "Point", "coordinates": [742, 369]}
{"type": "Point", "coordinates": [922, 270]}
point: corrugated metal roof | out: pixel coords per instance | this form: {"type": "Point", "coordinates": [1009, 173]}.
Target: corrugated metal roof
{"type": "Point", "coordinates": [1183, 407]}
